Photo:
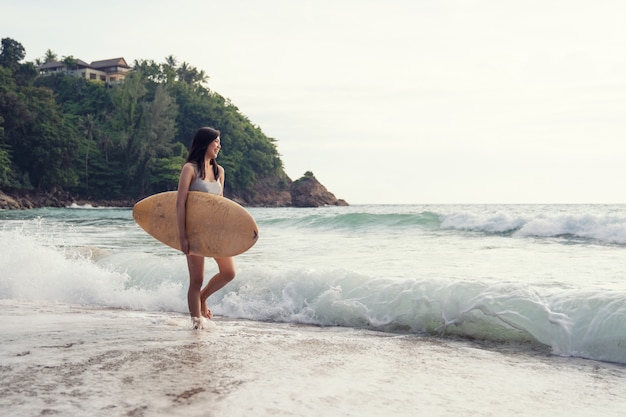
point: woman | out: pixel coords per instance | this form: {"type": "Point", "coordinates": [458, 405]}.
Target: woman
{"type": "Point", "coordinates": [201, 173]}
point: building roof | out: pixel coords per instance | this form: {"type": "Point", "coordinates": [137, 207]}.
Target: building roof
{"type": "Point", "coordinates": [59, 64]}
{"type": "Point", "coordinates": [113, 62]}
{"type": "Point", "coordinates": [51, 64]}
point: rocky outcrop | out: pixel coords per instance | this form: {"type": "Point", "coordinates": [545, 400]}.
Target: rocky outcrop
{"type": "Point", "coordinates": [267, 192]}
{"type": "Point", "coordinates": [308, 192]}
{"type": "Point", "coordinates": [281, 191]}
{"type": "Point", "coordinates": [29, 200]}
{"type": "Point", "coordinates": [8, 202]}
{"type": "Point", "coordinates": [18, 200]}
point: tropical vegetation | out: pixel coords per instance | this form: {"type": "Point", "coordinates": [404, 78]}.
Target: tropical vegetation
{"type": "Point", "coordinates": [128, 140]}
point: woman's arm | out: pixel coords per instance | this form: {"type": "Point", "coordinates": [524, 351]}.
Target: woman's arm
{"type": "Point", "coordinates": [187, 175]}
{"type": "Point", "coordinates": [221, 170]}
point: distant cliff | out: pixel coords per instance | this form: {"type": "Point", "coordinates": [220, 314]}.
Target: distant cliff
{"type": "Point", "coordinates": [308, 192]}
{"type": "Point", "coordinates": [280, 191]}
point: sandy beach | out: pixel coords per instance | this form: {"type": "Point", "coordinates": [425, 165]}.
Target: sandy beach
{"type": "Point", "coordinates": [67, 360]}
{"type": "Point", "coordinates": [439, 311]}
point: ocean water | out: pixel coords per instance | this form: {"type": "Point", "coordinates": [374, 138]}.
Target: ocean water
{"type": "Point", "coordinates": [541, 286]}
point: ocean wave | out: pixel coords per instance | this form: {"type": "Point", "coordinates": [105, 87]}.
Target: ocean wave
{"type": "Point", "coordinates": [571, 322]}
{"type": "Point", "coordinates": [40, 267]}
{"type": "Point", "coordinates": [582, 227]}
{"type": "Point", "coordinates": [356, 221]}
{"type": "Point", "coordinates": [585, 227]}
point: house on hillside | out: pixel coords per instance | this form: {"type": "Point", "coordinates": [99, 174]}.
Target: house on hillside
{"type": "Point", "coordinates": [109, 71]}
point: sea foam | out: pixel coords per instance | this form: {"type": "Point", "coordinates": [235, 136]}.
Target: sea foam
{"type": "Point", "coordinates": [33, 270]}
{"type": "Point", "coordinates": [579, 322]}
{"type": "Point", "coordinates": [525, 221]}
{"type": "Point", "coordinates": [601, 229]}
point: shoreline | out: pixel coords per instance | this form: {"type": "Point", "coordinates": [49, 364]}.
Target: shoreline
{"type": "Point", "coordinates": [306, 192]}
{"type": "Point", "coordinates": [72, 360]}
{"type": "Point", "coordinates": [313, 195]}
{"type": "Point", "coordinates": [27, 200]}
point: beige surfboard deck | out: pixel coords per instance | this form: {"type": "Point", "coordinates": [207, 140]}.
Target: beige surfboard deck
{"type": "Point", "coordinates": [216, 226]}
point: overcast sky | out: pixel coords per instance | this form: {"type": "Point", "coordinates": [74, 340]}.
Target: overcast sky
{"type": "Point", "coordinates": [391, 101]}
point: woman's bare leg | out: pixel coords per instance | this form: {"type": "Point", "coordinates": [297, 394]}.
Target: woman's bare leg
{"type": "Point", "coordinates": [224, 276]}
{"type": "Point", "coordinates": [196, 276]}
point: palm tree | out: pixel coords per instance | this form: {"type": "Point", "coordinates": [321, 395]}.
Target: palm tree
{"type": "Point", "coordinates": [184, 72]}
{"type": "Point", "coordinates": [50, 57]}
{"type": "Point", "coordinates": [70, 62]}
{"type": "Point", "coordinates": [169, 68]}
{"type": "Point", "coordinates": [171, 61]}
{"type": "Point", "coordinates": [201, 77]}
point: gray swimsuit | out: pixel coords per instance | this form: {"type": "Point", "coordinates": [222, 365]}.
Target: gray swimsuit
{"type": "Point", "coordinates": [211, 187]}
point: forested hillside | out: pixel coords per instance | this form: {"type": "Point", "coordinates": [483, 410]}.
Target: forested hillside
{"type": "Point", "coordinates": [129, 140]}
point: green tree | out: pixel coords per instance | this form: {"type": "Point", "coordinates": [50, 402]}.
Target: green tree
{"type": "Point", "coordinates": [165, 172]}
{"type": "Point", "coordinates": [49, 145]}
{"type": "Point", "coordinates": [50, 57]}
{"type": "Point", "coordinates": [11, 53]}
{"type": "Point", "coordinates": [121, 142]}
{"type": "Point", "coordinates": [151, 71]}
{"type": "Point", "coordinates": [25, 74]}
{"type": "Point", "coordinates": [159, 129]}
{"type": "Point", "coordinates": [171, 61]}
{"type": "Point", "coordinates": [126, 122]}
{"type": "Point", "coordinates": [169, 68]}
{"type": "Point", "coordinates": [88, 131]}
{"type": "Point", "coordinates": [42, 140]}
{"type": "Point", "coordinates": [5, 160]}
{"type": "Point", "coordinates": [14, 119]}
{"type": "Point", "coordinates": [77, 95]}
{"type": "Point", "coordinates": [38, 141]}
{"type": "Point", "coordinates": [70, 63]}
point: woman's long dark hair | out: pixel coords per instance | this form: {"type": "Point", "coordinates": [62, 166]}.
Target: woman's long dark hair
{"type": "Point", "coordinates": [201, 141]}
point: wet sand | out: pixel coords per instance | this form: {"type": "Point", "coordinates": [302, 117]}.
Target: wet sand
{"type": "Point", "coordinates": [70, 361]}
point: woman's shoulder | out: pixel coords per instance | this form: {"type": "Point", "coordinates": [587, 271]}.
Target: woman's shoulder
{"type": "Point", "coordinates": [190, 166]}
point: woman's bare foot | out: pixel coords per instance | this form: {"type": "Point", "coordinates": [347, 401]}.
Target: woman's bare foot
{"type": "Point", "coordinates": [206, 312]}
{"type": "Point", "coordinates": [196, 323]}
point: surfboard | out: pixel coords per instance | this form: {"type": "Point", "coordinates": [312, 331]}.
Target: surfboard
{"type": "Point", "coordinates": [216, 226]}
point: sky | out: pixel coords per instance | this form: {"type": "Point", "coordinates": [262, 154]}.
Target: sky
{"type": "Point", "coordinates": [390, 101]}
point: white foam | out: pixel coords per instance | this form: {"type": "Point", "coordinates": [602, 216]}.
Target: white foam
{"type": "Point", "coordinates": [605, 229]}
{"type": "Point", "coordinates": [40, 266]}
{"type": "Point", "coordinates": [34, 271]}
{"type": "Point", "coordinates": [601, 228]}
{"type": "Point", "coordinates": [80, 206]}
{"type": "Point", "coordinates": [493, 223]}
{"type": "Point", "coordinates": [564, 320]}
